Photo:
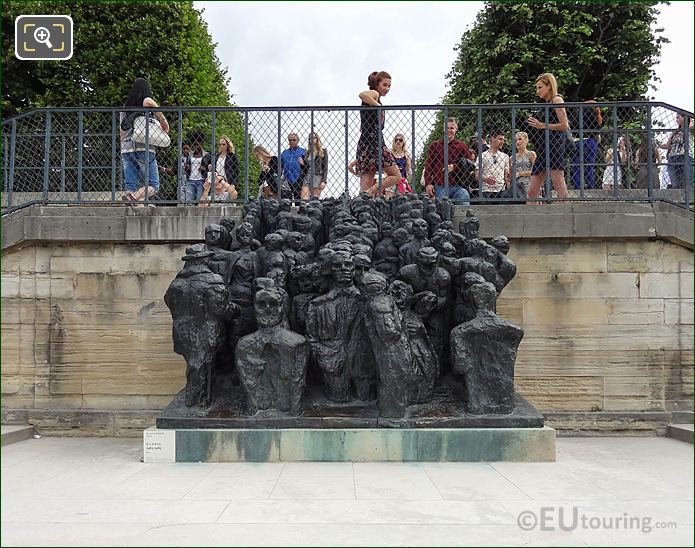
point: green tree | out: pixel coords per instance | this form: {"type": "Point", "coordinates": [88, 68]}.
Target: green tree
{"type": "Point", "coordinates": [115, 42]}
{"type": "Point", "coordinates": [604, 51]}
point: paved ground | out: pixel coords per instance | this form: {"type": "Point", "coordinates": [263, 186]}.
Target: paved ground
{"type": "Point", "coordinates": [96, 492]}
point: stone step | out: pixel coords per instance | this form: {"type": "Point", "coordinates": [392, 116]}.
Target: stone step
{"type": "Point", "coordinates": [682, 417]}
{"type": "Point", "coordinates": [15, 433]}
{"type": "Point", "coordinates": [682, 432]}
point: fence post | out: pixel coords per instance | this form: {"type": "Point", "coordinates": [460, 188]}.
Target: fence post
{"type": "Point", "coordinates": [147, 156]}
{"type": "Point", "coordinates": [80, 144]}
{"type": "Point", "coordinates": [213, 166]}
{"type": "Point", "coordinates": [62, 165]}
{"type": "Point", "coordinates": [650, 155]}
{"type": "Point", "coordinates": [5, 162]}
{"type": "Point", "coordinates": [46, 156]}
{"type": "Point", "coordinates": [616, 152]}
{"type": "Point", "coordinates": [581, 167]}
{"type": "Point", "coordinates": [278, 181]}
{"type": "Point", "coordinates": [548, 179]}
{"type": "Point", "coordinates": [412, 151]}
{"type": "Point", "coordinates": [687, 161]}
{"type": "Point", "coordinates": [347, 159]}
{"type": "Point", "coordinates": [312, 170]}
{"type": "Point", "coordinates": [246, 155]}
{"type": "Point", "coordinates": [180, 184]}
{"type": "Point", "coordinates": [513, 175]}
{"type": "Point", "coordinates": [113, 156]}
{"type": "Point", "coordinates": [13, 145]}
{"type": "Point", "coordinates": [380, 159]}
{"type": "Point", "coordinates": [445, 140]}
{"type": "Point", "coordinates": [479, 178]}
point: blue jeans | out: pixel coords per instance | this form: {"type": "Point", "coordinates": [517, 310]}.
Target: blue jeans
{"type": "Point", "coordinates": [194, 190]}
{"type": "Point", "coordinates": [590, 149]}
{"type": "Point", "coordinates": [457, 194]}
{"type": "Point", "coordinates": [134, 170]}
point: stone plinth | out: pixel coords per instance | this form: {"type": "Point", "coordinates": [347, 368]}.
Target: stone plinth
{"type": "Point", "coordinates": [356, 445]}
{"type": "Point", "coordinates": [447, 410]}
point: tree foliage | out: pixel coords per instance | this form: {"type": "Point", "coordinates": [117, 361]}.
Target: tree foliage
{"type": "Point", "coordinates": [604, 51]}
{"type": "Point", "coordinates": [114, 43]}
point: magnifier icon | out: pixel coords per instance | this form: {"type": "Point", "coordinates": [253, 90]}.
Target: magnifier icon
{"type": "Point", "coordinates": [42, 36]}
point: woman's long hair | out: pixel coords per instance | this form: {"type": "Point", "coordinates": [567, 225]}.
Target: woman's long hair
{"type": "Point", "coordinates": [138, 93]}
{"type": "Point", "coordinates": [403, 149]}
{"type": "Point", "coordinates": [314, 147]}
{"type": "Point", "coordinates": [230, 145]}
{"type": "Point", "coordinates": [262, 154]}
{"type": "Point", "coordinates": [549, 80]}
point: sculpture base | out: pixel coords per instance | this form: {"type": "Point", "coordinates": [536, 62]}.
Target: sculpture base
{"type": "Point", "coordinates": [351, 445]}
{"type": "Point", "coordinates": [446, 410]}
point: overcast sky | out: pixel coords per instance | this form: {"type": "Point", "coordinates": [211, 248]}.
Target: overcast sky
{"type": "Point", "coordinates": [310, 53]}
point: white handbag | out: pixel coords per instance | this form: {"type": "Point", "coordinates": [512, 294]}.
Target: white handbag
{"type": "Point", "coordinates": [157, 136]}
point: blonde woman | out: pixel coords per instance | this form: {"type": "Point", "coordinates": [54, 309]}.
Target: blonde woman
{"type": "Point", "coordinates": [268, 177]}
{"type": "Point", "coordinates": [401, 156]}
{"type": "Point", "coordinates": [524, 160]}
{"type": "Point", "coordinates": [314, 168]}
{"type": "Point", "coordinates": [225, 161]}
{"type": "Point", "coordinates": [553, 134]}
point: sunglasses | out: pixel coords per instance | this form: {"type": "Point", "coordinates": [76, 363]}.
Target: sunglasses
{"type": "Point", "coordinates": [397, 140]}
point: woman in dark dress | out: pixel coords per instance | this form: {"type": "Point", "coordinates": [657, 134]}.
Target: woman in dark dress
{"type": "Point", "coordinates": [554, 135]}
{"type": "Point", "coordinates": [368, 149]}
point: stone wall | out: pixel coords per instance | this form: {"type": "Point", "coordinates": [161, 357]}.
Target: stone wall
{"type": "Point", "coordinates": [86, 337]}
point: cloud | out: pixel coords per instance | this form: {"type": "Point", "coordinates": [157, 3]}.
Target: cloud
{"type": "Point", "coordinates": [306, 53]}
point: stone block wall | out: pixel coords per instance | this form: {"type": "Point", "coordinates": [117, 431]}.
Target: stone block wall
{"type": "Point", "coordinates": [86, 337]}
{"type": "Point", "coordinates": [608, 324]}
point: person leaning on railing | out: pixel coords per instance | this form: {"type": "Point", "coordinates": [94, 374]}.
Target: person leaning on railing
{"type": "Point", "coordinates": [434, 171]}
{"type": "Point", "coordinates": [226, 161]}
{"type": "Point", "coordinates": [133, 156]}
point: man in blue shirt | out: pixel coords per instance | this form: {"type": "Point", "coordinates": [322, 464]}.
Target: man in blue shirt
{"type": "Point", "coordinates": [292, 161]}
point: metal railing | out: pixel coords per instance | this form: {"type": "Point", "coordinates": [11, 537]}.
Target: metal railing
{"type": "Point", "coordinates": [642, 151]}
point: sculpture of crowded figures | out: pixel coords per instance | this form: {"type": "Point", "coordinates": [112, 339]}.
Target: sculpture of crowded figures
{"type": "Point", "coordinates": [365, 298]}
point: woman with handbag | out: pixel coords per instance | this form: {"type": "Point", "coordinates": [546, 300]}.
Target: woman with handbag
{"type": "Point", "coordinates": [554, 134]}
{"type": "Point", "coordinates": [133, 151]}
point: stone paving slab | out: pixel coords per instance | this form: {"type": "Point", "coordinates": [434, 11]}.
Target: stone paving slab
{"type": "Point", "coordinates": [97, 492]}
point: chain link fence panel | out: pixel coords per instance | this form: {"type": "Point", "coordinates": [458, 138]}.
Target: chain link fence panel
{"type": "Point", "coordinates": [494, 154]}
